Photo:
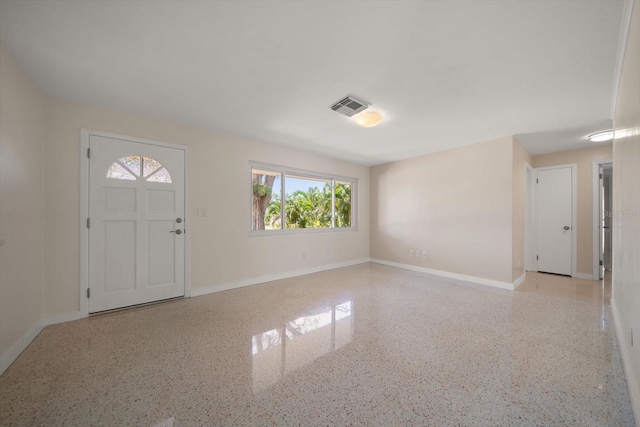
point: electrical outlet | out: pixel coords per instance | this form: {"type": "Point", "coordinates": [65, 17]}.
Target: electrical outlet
{"type": "Point", "coordinates": [412, 252]}
{"type": "Point", "coordinates": [418, 253]}
{"type": "Point", "coordinates": [424, 254]}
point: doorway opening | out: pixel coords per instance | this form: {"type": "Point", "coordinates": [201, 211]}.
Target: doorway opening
{"type": "Point", "coordinates": [602, 217]}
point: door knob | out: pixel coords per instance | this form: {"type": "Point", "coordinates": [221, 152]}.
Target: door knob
{"type": "Point", "coordinates": [178, 220]}
{"type": "Point", "coordinates": [566, 227]}
{"type": "Point", "coordinates": [177, 231]}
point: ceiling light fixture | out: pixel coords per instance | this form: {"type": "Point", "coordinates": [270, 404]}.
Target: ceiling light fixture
{"type": "Point", "coordinates": [606, 135]}
{"type": "Point", "coordinates": [368, 119]}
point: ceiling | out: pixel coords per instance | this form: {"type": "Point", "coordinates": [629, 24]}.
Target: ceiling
{"type": "Point", "coordinates": [443, 73]}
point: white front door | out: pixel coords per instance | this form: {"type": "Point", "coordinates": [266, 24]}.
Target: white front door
{"type": "Point", "coordinates": [136, 223]}
{"type": "Point", "coordinates": [555, 226]}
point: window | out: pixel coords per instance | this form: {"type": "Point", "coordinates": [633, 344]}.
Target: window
{"type": "Point", "coordinates": [133, 167]}
{"type": "Point", "coordinates": [290, 200]}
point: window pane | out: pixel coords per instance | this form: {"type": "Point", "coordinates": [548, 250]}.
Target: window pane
{"type": "Point", "coordinates": [132, 163]}
{"type": "Point", "coordinates": [266, 204]}
{"type": "Point", "coordinates": [343, 204]}
{"type": "Point", "coordinates": [149, 165]}
{"type": "Point", "coordinates": [117, 171]}
{"type": "Point", "coordinates": [130, 167]}
{"type": "Point", "coordinates": [307, 203]}
{"type": "Point", "coordinates": [162, 175]}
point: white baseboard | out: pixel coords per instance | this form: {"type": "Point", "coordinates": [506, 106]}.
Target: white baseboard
{"type": "Point", "coordinates": [519, 280]}
{"type": "Point", "coordinates": [631, 372]}
{"type": "Point", "coordinates": [64, 317]}
{"type": "Point", "coordinates": [584, 276]}
{"type": "Point", "coordinates": [12, 354]}
{"type": "Point", "coordinates": [473, 279]}
{"type": "Point", "coordinates": [269, 278]}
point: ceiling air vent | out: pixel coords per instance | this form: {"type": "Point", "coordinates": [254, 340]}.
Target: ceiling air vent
{"type": "Point", "coordinates": [350, 105]}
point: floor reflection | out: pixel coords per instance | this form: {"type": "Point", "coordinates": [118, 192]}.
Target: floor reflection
{"type": "Point", "coordinates": [410, 349]}
{"type": "Point", "coordinates": [280, 351]}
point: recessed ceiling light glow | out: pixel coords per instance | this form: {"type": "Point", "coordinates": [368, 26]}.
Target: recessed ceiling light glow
{"type": "Point", "coordinates": [368, 119]}
{"type": "Point", "coordinates": [606, 135]}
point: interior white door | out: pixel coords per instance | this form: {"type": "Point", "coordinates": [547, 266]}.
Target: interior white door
{"type": "Point", "coordinates": [136, 223]}
{"type": "Point", "coordinates": [555, 226]}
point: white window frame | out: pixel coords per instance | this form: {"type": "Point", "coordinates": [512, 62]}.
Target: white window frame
{"type": "Point", "coordinates": [284, 171]}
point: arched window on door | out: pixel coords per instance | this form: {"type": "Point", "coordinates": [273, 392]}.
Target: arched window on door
{"type": "Point", "coordinates": [139, 167]}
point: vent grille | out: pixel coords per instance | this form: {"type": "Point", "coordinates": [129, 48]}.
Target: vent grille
{"type": "Point", "coordinates": [350, 105]}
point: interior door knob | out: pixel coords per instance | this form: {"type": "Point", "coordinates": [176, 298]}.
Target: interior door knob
{"type": "Point", "coordinates": [176, 231]}
{"type": "Point", "coordinates": [566, 227]}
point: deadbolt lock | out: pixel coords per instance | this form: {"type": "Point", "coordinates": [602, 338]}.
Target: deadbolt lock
{"type": "Point", "coordinates": [178, 220]}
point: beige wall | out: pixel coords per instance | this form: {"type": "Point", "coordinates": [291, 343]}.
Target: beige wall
{"type": "Point", "coordinates": [21, 205]}
{"type": "Point", "coordinates": [521, 158]}
{"type": "Point", "coordinates": [584, 158]}
{"type": "Point", "coordinates": [221, 250]}
{"type": "Point", "coordinates": [455, 204]}
{"type": "Point", "coordinates": [626, 207]}
{"type": "Point", "coordinates": [39, 216]}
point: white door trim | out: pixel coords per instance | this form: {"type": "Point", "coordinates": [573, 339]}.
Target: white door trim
{"type": "Point", "coordinates": [530, 226]}
{"type": "Point", "coordinates": [595, 200]}
{"type": "Point", "coordinates": [84, 211]}
{"type": "Point", "coordinates": [574, 215]}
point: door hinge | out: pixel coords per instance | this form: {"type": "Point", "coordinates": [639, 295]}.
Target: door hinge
{"type": "Point", "coordinates": [537, 258]}
{"type": "Point", "coordinates": [88, 153]}
{"type": "Point", "coordinates": [600, 176]}
{"type": "Point", "coordinates": [600, 262]}
{"type": "Point", "coordinates": [88, 292]}
{"type": "Point", "coordinates": [537, 180]}
{"type": "Point", "coordinates": [88, 223]}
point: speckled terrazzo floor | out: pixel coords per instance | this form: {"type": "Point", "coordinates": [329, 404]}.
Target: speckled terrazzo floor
{"type": "Point", "coordinates": [363, 345]}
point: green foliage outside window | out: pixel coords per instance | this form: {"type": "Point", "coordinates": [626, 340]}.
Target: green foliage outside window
{"type": "Point", "coordinates": [311, 209]}
{"type": "Point", "coordinates": [302, 209]}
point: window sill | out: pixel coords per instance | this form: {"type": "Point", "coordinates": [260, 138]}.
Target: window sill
{"type": "Point", "coordinates": [298, 231]}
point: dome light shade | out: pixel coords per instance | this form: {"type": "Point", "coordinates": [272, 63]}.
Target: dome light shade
{"type": "Point", "coordinates": [601, 136]}
{"type": "Point", "coordinates": [368, 119]}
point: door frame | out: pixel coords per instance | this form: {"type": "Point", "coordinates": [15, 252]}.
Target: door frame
{"type": "Point", "coordinates": [530, 226]}
{"type": "Point", "coordinates": [533, 226]}
{"type": "Point", "coordinates": [595, 200]}
{"type": "Point", "coordinates": [85, 134]}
